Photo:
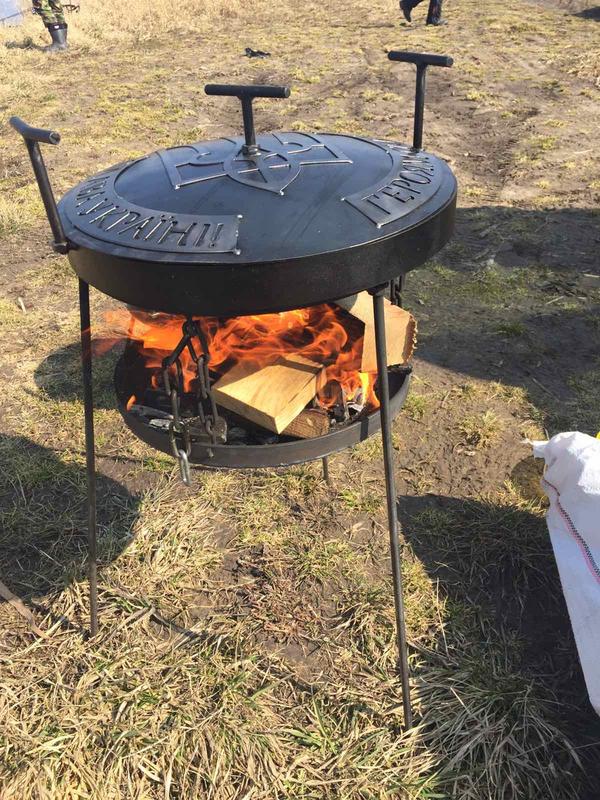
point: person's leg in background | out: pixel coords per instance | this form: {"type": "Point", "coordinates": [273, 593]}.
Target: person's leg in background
{"type": "Point", "coordinates": [406, 6]}
{"type": "Point", "coordinates": [434, 15]}
{"type": "Point", "coordinates": [53, 17]}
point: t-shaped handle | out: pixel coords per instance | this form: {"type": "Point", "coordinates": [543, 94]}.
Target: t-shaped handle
{"type": "Point", "coordinates": [33, 137]}
{"type": "Point", "coordinates": [246, 95]}
{"type": "Point", "coordinates": [422, 61]}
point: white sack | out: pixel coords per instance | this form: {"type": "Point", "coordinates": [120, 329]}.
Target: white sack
{"type": "Point", "coordinates": [572, 483]}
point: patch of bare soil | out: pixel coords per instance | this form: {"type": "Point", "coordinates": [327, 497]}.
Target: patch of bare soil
{"type": "Point", "coordinates": [587, 9]}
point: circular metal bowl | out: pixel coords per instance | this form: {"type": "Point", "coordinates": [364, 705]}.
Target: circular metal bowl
{"type": "Point", "coordinates": [280, 454]}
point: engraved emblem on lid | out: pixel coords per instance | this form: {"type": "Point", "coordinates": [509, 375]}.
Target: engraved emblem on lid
{"type": "Point", "coordinates": [276, 165]}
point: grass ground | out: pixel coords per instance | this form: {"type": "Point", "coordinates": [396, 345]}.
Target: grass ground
{"type": "Point", "coordinates": [246, 648]}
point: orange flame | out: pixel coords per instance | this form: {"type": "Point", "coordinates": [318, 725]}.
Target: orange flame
{"type": "Point", "coordinates": [320, 333]}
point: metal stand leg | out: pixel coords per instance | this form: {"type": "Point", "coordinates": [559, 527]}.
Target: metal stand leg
{"type": "Point", "coordinates": [386, 433]}
{"type": "Point", "coordinates": [326, 475]}
{"type": "Point", "coordinates": [88, 404]}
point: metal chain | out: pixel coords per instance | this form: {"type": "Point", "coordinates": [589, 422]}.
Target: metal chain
{"type": "Point", "coordinates": [206, 425]}
{"type": "Point", "coordinates": [396, 291]}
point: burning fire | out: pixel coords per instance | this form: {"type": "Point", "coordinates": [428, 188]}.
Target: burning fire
{"type": "Point", "coordinates": [320, 333]}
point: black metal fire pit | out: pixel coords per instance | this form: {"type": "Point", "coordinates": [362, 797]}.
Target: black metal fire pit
{"type": "Point", "coordinates": [245, 226]}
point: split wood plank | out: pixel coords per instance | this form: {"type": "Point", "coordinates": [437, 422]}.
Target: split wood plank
{"type": "Point", "coordinates": [271, 396]}
{"type": "Point", "coordinates": [400, 330]}
{"type": "Point", "coordinates": [308, 424]}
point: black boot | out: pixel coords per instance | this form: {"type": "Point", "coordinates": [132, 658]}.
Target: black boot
{"type": "Point", "coordinates": [58, 32]}
{"type": "Point", "coordinates": [406, 7]}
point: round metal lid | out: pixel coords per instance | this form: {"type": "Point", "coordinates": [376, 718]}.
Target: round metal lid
{"type": "Point", "coordinates": [256, 224]}
{"type": "Point", "coordinates": [299, 196]}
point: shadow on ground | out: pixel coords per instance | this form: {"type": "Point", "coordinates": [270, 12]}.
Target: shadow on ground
{"type": "Point", "coordinates": [497, 558]}
{"type": "Point", "coordinates": [514, 299]}
{"type": "Point", "coordinates": [43, 519]}
{"type": "Point", "coordinates": [589, 13]}
{"type": "Point", "coordinates": [578, 8]}
{"type": "Point", "coordinates": [59, 375]}
{"type": "Point", "coordinates": [493, 562]}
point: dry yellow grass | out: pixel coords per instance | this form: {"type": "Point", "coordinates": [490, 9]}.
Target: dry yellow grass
{"type": "Point", "coordinates": [137, 22]}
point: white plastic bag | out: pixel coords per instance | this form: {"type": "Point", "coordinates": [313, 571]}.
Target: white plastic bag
{"type": "Point", "coordinates": [572, 482]}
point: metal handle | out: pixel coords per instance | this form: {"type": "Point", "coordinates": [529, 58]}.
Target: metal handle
{"type": "Point", "coordinates": [422, 61]}
{"type": "Point", "coordinates": [34, 134]}
{"type": "Point", "coordinates": [246, 94]}
{"type": "Point", "coordinates": [249, 90]}
{"type": "Point", "coordinates": [427, 59]}
{"type": "Point", "coordinates": [33, 137]}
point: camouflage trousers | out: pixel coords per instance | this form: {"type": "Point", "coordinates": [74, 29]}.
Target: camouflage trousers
{"type": "Point", "coordinates": [51, 11]}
